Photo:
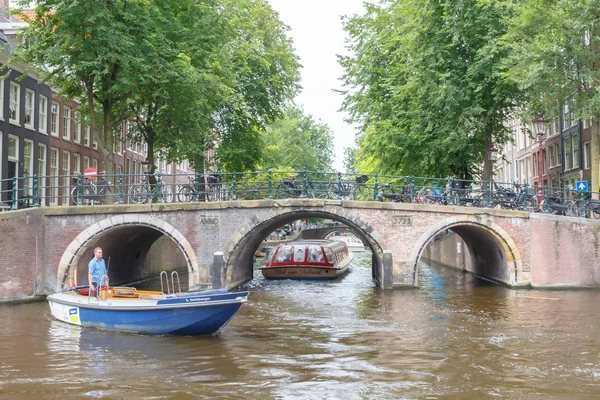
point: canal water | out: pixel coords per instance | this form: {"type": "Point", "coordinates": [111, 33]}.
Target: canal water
{"type": "Point", "coordinates": [457, 337]}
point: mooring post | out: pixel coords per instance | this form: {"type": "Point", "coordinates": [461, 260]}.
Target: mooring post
{"type": "Point", "coordinates": [388, 270]}
{"type": "Point", "coordinates": [216, 271]}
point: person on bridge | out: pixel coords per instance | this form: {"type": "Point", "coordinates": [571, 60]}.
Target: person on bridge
{"type": "Point", "coordinates": [96, 270]}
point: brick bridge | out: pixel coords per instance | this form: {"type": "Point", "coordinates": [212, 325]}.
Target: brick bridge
{"type": "Point", "coordinates": [40, 249]}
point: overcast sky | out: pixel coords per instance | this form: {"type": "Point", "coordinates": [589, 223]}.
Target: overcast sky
{"type": "Point", "coordinates": [316, 30]}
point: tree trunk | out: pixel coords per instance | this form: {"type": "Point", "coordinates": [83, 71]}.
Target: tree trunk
{"type": "Point", "coordinates": [108, 139]}
{"type": "Point", "coordinates": [595, 158]}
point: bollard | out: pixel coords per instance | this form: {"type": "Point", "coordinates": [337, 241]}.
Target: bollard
{"type": "Point", "coordinates": [216, 270]}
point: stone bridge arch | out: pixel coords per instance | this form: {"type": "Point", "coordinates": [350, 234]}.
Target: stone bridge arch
{"type": "Point", "coordinates": [493, 252]}
{"type": "Point", "coordinates": [89, 238]}
{"type": "Point", "coordinates": [242, 247]}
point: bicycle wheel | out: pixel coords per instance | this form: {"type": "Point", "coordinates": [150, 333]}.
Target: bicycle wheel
{"type": "Point", "coordinates": [166, 193]}
{"type": "Point", "coordinates": [362, 192]}
{"type": "Point", "coordinates": [185, 194]}
{"type": "Point", "coordinates": [531, 204]}
{"type": "Point", "coordinates": [88, 195]}
{"type": "Point", "coordinates": [282, 192]}
{"type": "Point", "coordinates": [139, 194]}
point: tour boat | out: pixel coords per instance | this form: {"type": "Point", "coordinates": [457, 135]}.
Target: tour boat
{"type": "Point", "coordinates": [354, 244]}
{"type": "Point", "coordinates": [311, 259]}
{"type": "Point", "coordinates": [141, 311]}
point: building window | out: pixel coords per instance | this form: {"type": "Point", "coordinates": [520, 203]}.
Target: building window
{"type": "Point", "coordinates": [95, 144]}
{"type": "Point", "coordinates": [535, 166]}
{"type": "Point", "coordinates": [42, 171]}
{"type": "Point", "coordinates": [28, 167]}
{"type": "Point", "coordinates": [66, 123]}
{"type": "Point", "coordinates": [13, 148]}
{"type": "Point", "coordinates": [86, 162]}
{"type": "Point", "coordinates": [587, 155]}
{"type": "Point", "coordinates": [76, 164]}
{"type": "Point", "coordinates": [118, 145]}
{"type": "Point", "coordinates": [558, 154]}
{"type": "Point", "coordinates": [43, 125]}
{"type": "Point", "coordinates": [77, 136]}
{"type": "Point", "coordinates": [53, 176]}
{"type": "Point", "coordinates": [29, 108]}
{"type": "Point", "coordinates": [66, 172]}
{"type": "Point", "coordinates": [552, 161]}
{"type": "Point", "coordinates": [545, 161]}
{"type": "Point", "coordinates": [95, 164]}
{"type": "Point", "coordinates": [15, 98]}
{"type": "Point", "coordinates": [54, 119]}
{"type": "Point", "coordinates": [86, 137]}
{"type": "Point", "coordinates": [568, 154]}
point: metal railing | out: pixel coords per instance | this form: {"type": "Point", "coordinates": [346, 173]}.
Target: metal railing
{"type": "Point", "coordinates": [77, 190]}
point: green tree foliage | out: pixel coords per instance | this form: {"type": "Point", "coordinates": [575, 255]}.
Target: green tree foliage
{"type": "Point", "coordinates": [555, 60]}
{"type": "Point", "coordinates": [297, 141]}
{"type": "Point", "coordinates": [425, 82]}
{"type": "Point", "coordinates": [92, 50]}
{"type": "Point", "coordinates": [186, 72]}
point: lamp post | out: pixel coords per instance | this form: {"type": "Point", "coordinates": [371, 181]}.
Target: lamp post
{"type": "Point", "coordinates": [146, 167]}
{"type": "Point", "coordinates": [539, 129]}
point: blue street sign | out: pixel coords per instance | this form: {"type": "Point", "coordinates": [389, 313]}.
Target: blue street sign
{"type": "Point", "coordinates": [581, 186]}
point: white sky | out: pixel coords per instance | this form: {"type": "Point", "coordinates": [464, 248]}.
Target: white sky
{"type": "Point", "coordinates": [316, 30]}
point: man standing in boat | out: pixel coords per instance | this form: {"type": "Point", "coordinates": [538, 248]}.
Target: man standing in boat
{"type": "Point", "coordinates": [96, 270]}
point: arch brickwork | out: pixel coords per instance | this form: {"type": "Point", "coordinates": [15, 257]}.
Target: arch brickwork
{"type": "Point", "coordinates": [81, 243]}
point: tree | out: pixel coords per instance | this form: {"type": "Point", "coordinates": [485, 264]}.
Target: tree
{"type": "Point", "coordinates": [425, 83]}
{"type": "Point", "coordinates": [92, 50]}
{"type": "Point", "coordinates": [555, 59]}
{"type": "Point", "coordinates": [295, 142]}
{"type": "Point", "coordinates": [184, 71]}
{"type": "Point", "coordinates": [263, 73]}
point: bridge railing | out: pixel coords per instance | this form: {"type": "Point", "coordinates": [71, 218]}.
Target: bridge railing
{"type": "Point", "coordinates": [75, 190]}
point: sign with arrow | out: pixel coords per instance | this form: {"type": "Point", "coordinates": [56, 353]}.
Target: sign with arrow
{"type": "Point", "coordinates": [581, 186]}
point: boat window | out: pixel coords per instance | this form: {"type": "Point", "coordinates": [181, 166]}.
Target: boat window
{"type": "Point", "coordinates": [315, 254]}
{"type": "Point", "coordinates": [284, 254]}
{"type": "Point", "coordinates": [329, 254]}
{"type": "Point", "coordinates": [299, 251]}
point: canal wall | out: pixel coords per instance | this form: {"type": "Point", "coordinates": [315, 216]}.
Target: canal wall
{"type": "Point", "coordinates": [22, 249]}
{"type": "Point", "coordinates": [449, 250]}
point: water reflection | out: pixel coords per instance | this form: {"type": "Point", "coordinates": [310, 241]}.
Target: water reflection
{"type": "Point", "coordinates": [456, 337]}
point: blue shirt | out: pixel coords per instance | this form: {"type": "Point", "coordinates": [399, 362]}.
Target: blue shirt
{"type": "Point", "coordinates": [97, 269]}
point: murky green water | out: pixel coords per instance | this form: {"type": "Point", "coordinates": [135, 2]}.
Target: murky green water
{"type": "Point", "coordinates": [457, 337]}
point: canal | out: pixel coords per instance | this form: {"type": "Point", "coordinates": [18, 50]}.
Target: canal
{"type": "Point", "coordinates": [457, 337]}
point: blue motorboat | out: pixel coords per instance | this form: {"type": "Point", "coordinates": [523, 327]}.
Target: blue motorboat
{"type": "Point", "coordinates": [140, 311]}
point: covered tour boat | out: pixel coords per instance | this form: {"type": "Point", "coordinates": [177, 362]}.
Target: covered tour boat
{"type": "Point", "coordinates": [314, 259]}
{"type": "Point", "coordinates": [141, 311]}
{"type": "Point", "coordinates": [354, 244]}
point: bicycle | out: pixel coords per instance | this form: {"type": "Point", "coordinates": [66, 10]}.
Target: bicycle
{"type": "Point", "coordinates": [290, 188]}
{"type": "Point", "coordinates": [145, 191]}
{"type": "Point", "coordinates": [348, 190]}
{"type": "Point", "coordinates": [388, 191]}
{"type": "Point", "coordinates": [90, 192]}
{"type": "Point", "coordinates": [213, 189]}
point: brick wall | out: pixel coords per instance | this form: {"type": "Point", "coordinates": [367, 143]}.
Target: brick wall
{"type": "Point", "coordinates": [542, 250]}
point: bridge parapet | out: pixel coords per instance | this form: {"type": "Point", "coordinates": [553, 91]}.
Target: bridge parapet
{"type": "Point", "coordinates": [40, 248]}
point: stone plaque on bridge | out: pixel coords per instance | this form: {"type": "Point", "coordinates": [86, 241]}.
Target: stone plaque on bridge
{"type": "Point", "coordinates": [403, 220]}
{"type": "Point", "coordinates": [208, 220]}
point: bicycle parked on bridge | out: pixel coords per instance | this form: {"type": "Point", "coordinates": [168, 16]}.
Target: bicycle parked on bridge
{"type": "Point", "coordinates": [213, 189]}
{"type": "Point", "coordinates": [145, 191]}
{"type": "Point", "coordinates": [91, 191]}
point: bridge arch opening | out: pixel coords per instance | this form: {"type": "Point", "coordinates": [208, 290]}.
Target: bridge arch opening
{"type": "Point", "coordinates": [488, 251]}
{"type": "Point", "coordinates": [134, 250]}
{"type": "Point", "coordinates": [239, 265]}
